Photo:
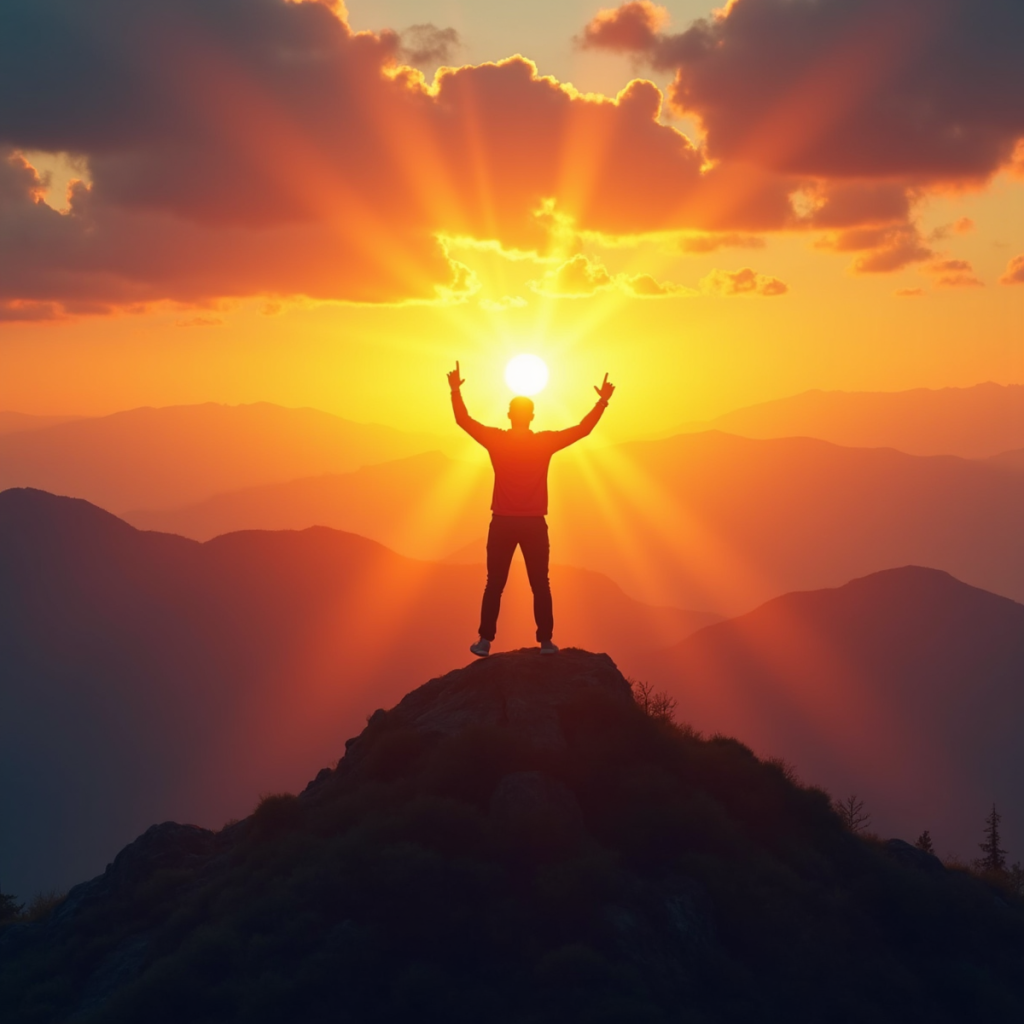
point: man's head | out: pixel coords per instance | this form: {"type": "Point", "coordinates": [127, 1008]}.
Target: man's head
{"type": "Point", "coordinates": [520, 412]}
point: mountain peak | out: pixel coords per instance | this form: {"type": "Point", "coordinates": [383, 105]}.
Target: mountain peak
{"type": "Point", "coordinates": [522, 692]}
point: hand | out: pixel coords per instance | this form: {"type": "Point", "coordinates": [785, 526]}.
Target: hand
{"type": "Point", "coordinates": [605, 390]}
{"type": "Point", "coordinates": [454, 380]}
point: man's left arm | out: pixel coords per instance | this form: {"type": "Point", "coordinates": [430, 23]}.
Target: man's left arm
{"type": "Point", "coordinates": [564, 438]}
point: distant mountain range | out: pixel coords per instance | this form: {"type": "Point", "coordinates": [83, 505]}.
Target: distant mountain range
{"type": "Point", "coordinates": [717, 521]}
{"type": "Point", "coordinates": [145, 676]}
{"type": "Point", "coordinates": [423, 506]}
{"type": "Point", "coordinates": [1013, 460]}
{"type": "Point", "coordinates": [906, 688]}
{"type": "Point", "coordinates": [165, 458]}
{"type": "Point", "coordinates": [17, 422]}
{"type": "Point", "coordinates": [973, 422]}
{"type": "Point", "coordinates": [707, 520]}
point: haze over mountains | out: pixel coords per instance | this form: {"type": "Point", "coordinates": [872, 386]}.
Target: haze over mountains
{"type": "Point", "coordinates": [717, 521]}
{"type": "Point", "coordinates": [144, 676]}
{"type": "Point", "coordinates": [700, 520]}
{"type": "Point", "coordinates": [155, 660]}
{"type": "Point", "coordinates": [17, 422]}
{"type": "Point", "coordinates": [973, 422]}
{"type": "Point", "coordinates": [160, 458]}
{"type": "Point", "coordinates": [905, 687]}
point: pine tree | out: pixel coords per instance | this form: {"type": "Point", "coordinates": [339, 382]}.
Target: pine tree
{"type": "Point", "coordinates": [1017, 878]}
{"type": "Point", "coordinates": [851, 812]}
{"type": "Point", "coordinates": [924, 842]}
{"type": "Point", "coordinates": [994, 858]}
{"type": "Point", "coordinates": [9, 910]}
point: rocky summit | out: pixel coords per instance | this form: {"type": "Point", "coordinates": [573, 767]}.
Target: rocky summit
{"type": "Point", "coordinates": [522, 693]}
{"type": "Point", "coordinates": [521, 842]}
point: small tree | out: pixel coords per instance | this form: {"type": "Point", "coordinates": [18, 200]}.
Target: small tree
{"type": "Point", "coordinates": [654, 703]}
{"type": "Point", "coordinates": [1017, 878]}
{"type": "Point", "coordinates": [852, 814]}
{"type": "Point", "coordinates": [9, 909]}
{"type": "Point", "coordinates": [994, 858]}
{"type": "Point", "coordinates": [924, 842]}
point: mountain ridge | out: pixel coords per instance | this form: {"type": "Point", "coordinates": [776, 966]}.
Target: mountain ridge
{"type": "Point", "coordinates": [903, 687]}
{"type": "Point", "coordinates": [120, 648]}
{"type": "Point", "coordinates": [972, 422]}
{"type": "Point", "coordinates": [519, 840]}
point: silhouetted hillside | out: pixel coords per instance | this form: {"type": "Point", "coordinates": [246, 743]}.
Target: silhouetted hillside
{"type": "Point", "coordinates": [906, 687]}
{"type": "Point", "coordinates": [145, 675]}
{"type": "Point", "coordinates": [697, 521]}
{"type": "Point", "coordinates": [971, 422]}
{"type": "Point", "coordinates": [161, 458]}
{"type": "Point", "coordinates": [518, 842]}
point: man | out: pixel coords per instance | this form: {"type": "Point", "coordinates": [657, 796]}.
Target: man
{"type": "Point", "coordinates": [520, 459]}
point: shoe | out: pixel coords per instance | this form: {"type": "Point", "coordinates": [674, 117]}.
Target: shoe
{"type": "Point", "coordinates": [547, 647]}
{"type": "Point", "coordinates": [481, 648]}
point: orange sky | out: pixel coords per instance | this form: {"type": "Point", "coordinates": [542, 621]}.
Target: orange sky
{"type": "Point", "coordinates": [221, 236]}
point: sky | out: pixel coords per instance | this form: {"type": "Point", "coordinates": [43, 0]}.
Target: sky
{"type": "Point", "coordinates": [257, 200]}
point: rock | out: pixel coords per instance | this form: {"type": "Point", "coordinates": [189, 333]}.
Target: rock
{"type": "Point", "coordinates": [165, 847]}
{"type": "Point", "coordinates": [321, 777]}
{"type": "Point", "coordinates": [522, 692]}
{"type": "Point", "coordinates": [912, 857]}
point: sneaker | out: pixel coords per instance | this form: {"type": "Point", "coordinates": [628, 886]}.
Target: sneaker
{"type": "Point", "coordinates": [547, 647]}
{"type": "Point", "coordinates": [481, 648]}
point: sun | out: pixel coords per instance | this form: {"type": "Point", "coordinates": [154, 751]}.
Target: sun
{"type": "Point", "coordinates": [526, 374]}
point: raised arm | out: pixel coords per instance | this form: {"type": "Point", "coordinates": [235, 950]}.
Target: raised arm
{"type": "Point", "coordinates": [564, 438]}
{"type": "Point", "coordinates": [477, 431]}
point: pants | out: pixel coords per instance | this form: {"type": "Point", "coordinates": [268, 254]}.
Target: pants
{"type": "Point", "coordinates": [531, 534]}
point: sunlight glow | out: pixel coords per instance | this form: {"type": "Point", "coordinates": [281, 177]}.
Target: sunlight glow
{"type": "Point", "coordinates": [526, 374]}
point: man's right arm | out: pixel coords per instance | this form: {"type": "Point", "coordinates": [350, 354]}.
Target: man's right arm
{"type": "Point", "coordinates": [476, 430]}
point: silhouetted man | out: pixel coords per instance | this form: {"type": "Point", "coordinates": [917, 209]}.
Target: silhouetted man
{"type": "Point", "coordinates": [520, 459]}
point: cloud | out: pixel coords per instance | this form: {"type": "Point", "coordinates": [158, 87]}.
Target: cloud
{"type": "Point", "coordinates": [909, 293]}
{"type": "Point", "coordinates": [1014, 273]}
{"type": "Point", "coordinates": [954, 274]}
{"type": "Point", "coordinates": [581, 277]}
{"type": "Point", "coordinates": [885, 89]}
{"type": "Point", "coordinates": [887, 249]}
{"type": "Point", "coordinates": [200, 321]}
{"type": "Point", "coordinates": [576, 278]}
{"type": "Point", "coordinates": [643, 286]}
{"type": "Point", "coordinates": [741, 282]}
{"type": "Point", "coordinates": [631, 28]}
{"type": "Point", "coordinates": [427, 45]}
{"type": "Point", "coordinates": [505, 302]}
{"type": "Point", "coordinates": [846, 204]}
{"type": "Point", "coordinates": [712, 243]}
{"type": "Point", "coordinates": [263, 147]}
{"type": "Point", "coordinates": [28, 311]}
{"type": "Point", "coordinates": [258, 147]}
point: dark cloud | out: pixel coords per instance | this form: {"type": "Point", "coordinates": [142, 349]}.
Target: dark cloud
{"type": "Point", "coordinates": [427, 45]}
{"type": "Point", "coordinates": [924, 90]}
{"type": "Point", "coordinates": [886, 249]}
{"type": "Point", "coordinates": [241, 147]}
